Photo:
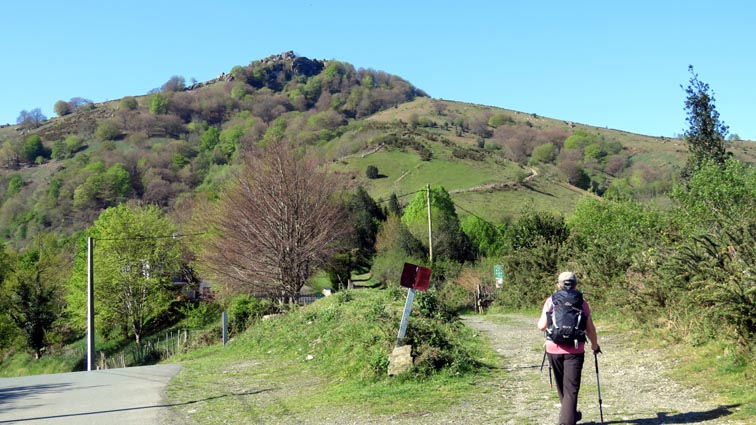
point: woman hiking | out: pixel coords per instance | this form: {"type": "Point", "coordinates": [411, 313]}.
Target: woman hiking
{"type": "Point", "coordinates": [565, 344]}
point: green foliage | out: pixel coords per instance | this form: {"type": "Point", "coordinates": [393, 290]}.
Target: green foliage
{"type": "Point", "coordinates": [210, 139]}
{"type": "Point", "coordinates": [31, 292]}
{"type": "Point", "coordinates": [393, 205]}
{"type": "Point", "coordinates": [179, 161]}
{"type": "Point", "coordinates": [229, 141]}
{"type": "Point", "coordinates": [108, 130]}
{"type": "Point", "coordinates": [484, 236]}
{"type": "Point", "coordinates": [118, 182]}
{"type": "Point", "coordinates": [135, 257]}
{"type": "Point", "coordinates": [59, 151]}
{"type": "Point", "coordinates": [707, 135]}
{"type": "Point", "coordinates": [366, 218]}
{"type": "Point", "coordinates": [716, 194]}
{"type": "Point", "coordinates": [174, 84]}
{"type": "Point", "coordinates": [594, 151]}
{"type": "Point", "coordinates": [448, 239]}
{"type": "Point", "coordinates": [129, 103]}
{"type": "Point", "coordinates": [535, 250]}
{"type": "Point", "coordinates": [498, 120]}
{"type": "Point", "coordinates": [361, 324]}
{"type": "Point", "coordinates": [543, 153]}
{"type": "Point", "coordinates": [158, 104]}
{"type": "Point", "coordinates": [73, 144]}
{"type": "Point", "coordinates": [54, 189]}
{"type": "Point", "coordinates": [243, 310]}
{"type": "Point", "coordinates": [62, 108]}
{"type": "Point", "coordinates": [340, 270]}
{"type": "Point", "coordinates": [15, 184]}
{"type": "Point", "coordinates": [579, 140]}
{"type": "Point", "coordinates": [33, 148]}
{"type": "Point", "coordinates": [275, 132]}
{"type": "Point", "coordinates": [239, 91]}
{"type": "Point", "coordinates": [371, 172]}
{"type": "Point", "coordinates": [717, 270]}
{"type": "Point", "coordinates": [611, 237]}
{"type": "Point", "coordinates": [388, 264]}
{"type": "Point", "coordinates": [343, 341]}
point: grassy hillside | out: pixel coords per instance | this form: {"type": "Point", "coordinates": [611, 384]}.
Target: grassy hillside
{"type": "Point", "coordinates": [491, 159]}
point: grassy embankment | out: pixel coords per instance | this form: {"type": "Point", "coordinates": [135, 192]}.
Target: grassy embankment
{"type": "Point", "coordinates": [328, 357]}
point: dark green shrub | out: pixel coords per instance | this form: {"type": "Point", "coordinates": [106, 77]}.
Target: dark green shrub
{"type": "Point", "coordinates": [371, 172]}
{"type": "Point", "coordinates": [243, 310]}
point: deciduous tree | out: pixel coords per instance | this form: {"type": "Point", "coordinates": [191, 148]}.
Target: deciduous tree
{"type": "Point", "coordinates": [30, 119]}
{"type": "Point", "coordinates": [448, 239]}
{"type": "Point", "coordinates": [275, 225]}
{"type": "Point", "coordinates": [134, 259]}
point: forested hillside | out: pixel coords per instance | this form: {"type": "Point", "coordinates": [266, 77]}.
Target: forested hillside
{"type": "Point", "coordinates": [289, 170]}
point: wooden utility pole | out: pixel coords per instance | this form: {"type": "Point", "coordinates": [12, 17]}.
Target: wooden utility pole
{"type": "Point", "coordinates": [430, 225]}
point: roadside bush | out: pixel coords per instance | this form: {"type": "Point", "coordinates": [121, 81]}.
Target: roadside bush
{"type": "Point", "coordinates": [200, 314]}
{"type": "Point", "coordinates": [436, 347]}
{"type": "Point", "coordinates": [431, 305]}
{"type": "Point", "coordinates": [535, 251]}
{"type": "Point", "coordinates": [243, 310]}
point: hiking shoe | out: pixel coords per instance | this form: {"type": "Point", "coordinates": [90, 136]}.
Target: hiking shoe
{"type": "Point", "coordinates": [578, 416]}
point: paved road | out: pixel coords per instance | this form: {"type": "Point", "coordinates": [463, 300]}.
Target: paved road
{"type": "Point", "coordinates": [115, 396]}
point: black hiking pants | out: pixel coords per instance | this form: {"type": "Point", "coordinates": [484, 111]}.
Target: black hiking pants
{"type": "Point", "coordinates": [567, 370]}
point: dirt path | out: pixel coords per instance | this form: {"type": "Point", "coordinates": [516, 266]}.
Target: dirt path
{"type": "Point", "coordinates": [634, 388]}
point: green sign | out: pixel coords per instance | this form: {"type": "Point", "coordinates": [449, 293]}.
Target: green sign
{"type": "Point", "coordinates": [499, 275]}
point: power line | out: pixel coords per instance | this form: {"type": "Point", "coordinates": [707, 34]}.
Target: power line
{"type": "Point", "coordinates": [400, 196]}
{"type": "Point", "coordinates": [456, 205]}
{"type": "Point", "coordinates": [145, 238]}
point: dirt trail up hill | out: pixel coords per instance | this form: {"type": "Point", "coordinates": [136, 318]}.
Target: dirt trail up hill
{"type": "Point", "coordinates": [634, 385]}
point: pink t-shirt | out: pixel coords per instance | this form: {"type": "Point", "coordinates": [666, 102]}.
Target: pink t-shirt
{"type": "Point", "coordinates": [554, 348]}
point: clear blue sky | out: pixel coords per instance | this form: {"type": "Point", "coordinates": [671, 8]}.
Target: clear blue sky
{"type": "Point", "coordinates": [610, 64]}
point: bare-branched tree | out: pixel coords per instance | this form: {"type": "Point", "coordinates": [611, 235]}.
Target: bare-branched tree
{"type": "Point", "coordinates": [275, 225]}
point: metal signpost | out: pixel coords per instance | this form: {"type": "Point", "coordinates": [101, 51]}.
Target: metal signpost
{"type": "Point", "coordinates": [415, 278]}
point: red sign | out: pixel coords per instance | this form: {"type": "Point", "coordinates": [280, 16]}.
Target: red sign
{"type": "Point", "coordinates": [416, 277]}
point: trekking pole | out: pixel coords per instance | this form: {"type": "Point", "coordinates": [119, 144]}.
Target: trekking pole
{"type": "Point", "coordinates": [551, 384]}
{"type": "Point", "coordinates": [598, 384]}
{"type": "Point", "coordinates": [543, 362]}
